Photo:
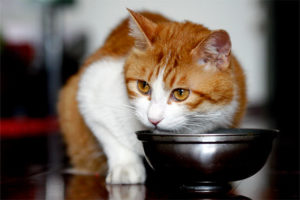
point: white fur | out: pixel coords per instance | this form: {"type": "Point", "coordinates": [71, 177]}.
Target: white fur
{"type": "Point", "coordinates": [158, 109]}
{"type": "Point", "coordinates": [218, 117]}
{"type": "Point", "coordinates": [135, 31]}
{"type": "Point", "coordinates": [104, 105]}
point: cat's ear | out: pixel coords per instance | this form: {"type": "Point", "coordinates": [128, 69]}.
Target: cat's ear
{"type": "Point", "coordinates": [142, 29]}
{"type": "Point", "coordinates": [215, 50]}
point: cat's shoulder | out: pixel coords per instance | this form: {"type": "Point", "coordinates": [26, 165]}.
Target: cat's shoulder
{"type": "Point", "coordinates": [102, 69]}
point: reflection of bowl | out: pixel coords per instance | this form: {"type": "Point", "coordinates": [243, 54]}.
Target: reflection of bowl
{"type": "Point", "coordinates": [208, 159]}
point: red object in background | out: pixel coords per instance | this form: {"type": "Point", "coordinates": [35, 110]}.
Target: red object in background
{"type": "Point", "coordinates": [24, 51]}
{"type": "Point", "coordinates": [20, 127]}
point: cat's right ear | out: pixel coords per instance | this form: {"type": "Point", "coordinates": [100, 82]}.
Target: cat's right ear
{"type": "Point", "coordinates": [215, 49]}
{"type": "Point", "coordinates": [142, 29]}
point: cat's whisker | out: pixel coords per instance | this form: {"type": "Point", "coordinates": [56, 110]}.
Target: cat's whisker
{"type": "Point", "coordinates": [198, 115]}
{"type": "Point", "coordinates": [195, 125]}
{"type": "Point", "coordinates": [187, 127]}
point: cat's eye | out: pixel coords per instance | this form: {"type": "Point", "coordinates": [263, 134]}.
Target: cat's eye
{"type": "Point", "coordinates": [180, 94]}
{"type": "Point", "coordinates": [143, 87]}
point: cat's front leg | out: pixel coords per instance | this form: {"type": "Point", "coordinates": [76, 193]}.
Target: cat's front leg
{"type": "Point", "coordinates": [125, 166]}
{"type": "Point", "coordinates": [132, 172]}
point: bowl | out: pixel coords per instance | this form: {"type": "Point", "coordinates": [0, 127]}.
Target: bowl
{"type": "Point", "coordinates": [207, 162]}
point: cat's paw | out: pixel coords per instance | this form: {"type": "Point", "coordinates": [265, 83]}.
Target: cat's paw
{"type": "Point", "coordinates": [126, 192]}
{"type": "Point", "coordinates": [129, 173]}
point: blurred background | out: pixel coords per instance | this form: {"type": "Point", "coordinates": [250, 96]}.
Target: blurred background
{"type": "Point", "coordinates": [44, 42]}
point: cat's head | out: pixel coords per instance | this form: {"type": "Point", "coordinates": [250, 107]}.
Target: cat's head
{"type": "Point", "coordinates": [179, 76]}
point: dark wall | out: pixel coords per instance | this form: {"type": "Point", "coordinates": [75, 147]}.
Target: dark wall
{"type": "Point", "coordinates": [284, 79]}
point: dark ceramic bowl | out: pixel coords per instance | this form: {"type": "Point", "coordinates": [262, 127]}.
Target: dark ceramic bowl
{"type": "Point", "coordinates": [208, 159]}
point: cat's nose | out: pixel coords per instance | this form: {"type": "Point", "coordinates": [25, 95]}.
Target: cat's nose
{"type": "Point", "coordinates": [155, 113]}
{"type": "Point", "coordinates": [154, 121]}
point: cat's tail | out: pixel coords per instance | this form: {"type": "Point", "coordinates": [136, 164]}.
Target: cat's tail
{"type": "Point", "coordinates": [82, 148]}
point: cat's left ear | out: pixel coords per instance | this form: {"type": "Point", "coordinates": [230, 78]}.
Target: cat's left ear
{"type": "Point", "coordinates": [215, 49]}
{"type": "Point", "coordinates": [142, 29]}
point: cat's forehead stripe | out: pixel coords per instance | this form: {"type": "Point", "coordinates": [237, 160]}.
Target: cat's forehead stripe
{"type": "Point", "coordinates": [159, 57]}
{"type": "Point", "coordinates": [171, 75]}
{"type": "Point", "coordinates": [150, 75]}
{"type": "Point", "coordinates": [160, 68]}
{"type": "Point", "coordinates": [166, 63]}
{"type": "Point", "coordinates": [167, 73]}
{"type": "Point", "coordinates": [172, 81]}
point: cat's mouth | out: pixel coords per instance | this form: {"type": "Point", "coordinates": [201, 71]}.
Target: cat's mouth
{"type": "Point", "coordinates": [160, 130]}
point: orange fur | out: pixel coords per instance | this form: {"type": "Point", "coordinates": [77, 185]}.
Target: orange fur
{"type": "Point", "coordinates": [81, 187]}
{"type": "Point", "coordinates": [82, 147]}
{"type": "Point", "coordinates": [145, 63]}
{"type": "Point", "coordinates": [180, 43]}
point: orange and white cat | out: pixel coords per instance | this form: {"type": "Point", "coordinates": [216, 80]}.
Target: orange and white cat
{"type": "Point", "coordinates": [151, 73]}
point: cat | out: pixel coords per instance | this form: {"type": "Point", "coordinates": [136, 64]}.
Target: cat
{"type": "Point", "coordinates": [151, 73]}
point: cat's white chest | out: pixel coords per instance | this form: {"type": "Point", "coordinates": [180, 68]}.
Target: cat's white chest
{"type": "Point", "coordinates": [104, 104]}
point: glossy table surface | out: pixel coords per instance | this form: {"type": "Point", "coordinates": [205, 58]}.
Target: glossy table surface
{"type": "Point", "coordinates": [57, 184]}
{"type": "Point", "coordinates": [30, 171]}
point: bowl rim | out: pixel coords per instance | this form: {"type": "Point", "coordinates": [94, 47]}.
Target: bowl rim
{"type": "Point", "coordinates": [215, 136]}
